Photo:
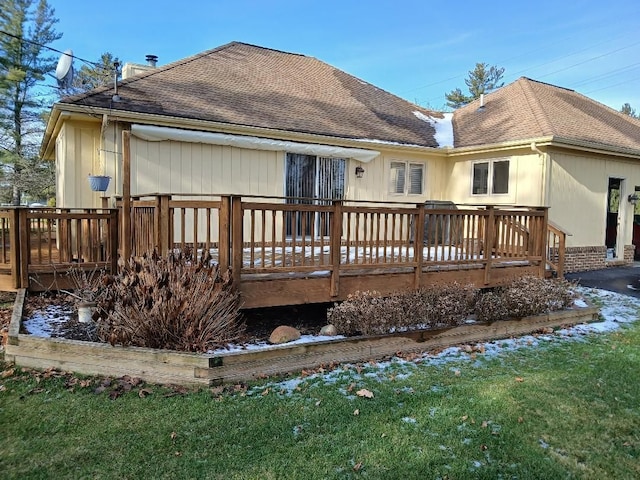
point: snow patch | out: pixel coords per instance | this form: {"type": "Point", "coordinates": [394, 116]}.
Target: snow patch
{"type": "Point", "coordinates": [443, 127]}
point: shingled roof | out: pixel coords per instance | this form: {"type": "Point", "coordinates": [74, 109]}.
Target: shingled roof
{"type": "Point", "coordinates": [247, 85]}
{"type": "Point", "coordinates": [528, 109]}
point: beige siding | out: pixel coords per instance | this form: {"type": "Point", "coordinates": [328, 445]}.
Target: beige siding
{"type": "Point", "coordinates": [180, 167]}
{"type": "Point", "coordinates": [77, 156]}
{"type": "Point", "coordinates": [374, 184]}
{"type": "Point", "coordinates": [578, 196]}
{"type": "Point", "coordinates": [525, 180]}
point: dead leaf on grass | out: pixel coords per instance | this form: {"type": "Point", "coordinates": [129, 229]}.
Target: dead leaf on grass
{"type": "Point", "coordinates": [519, 379]}
{"type": "Point", "coordinates": [8, 373]}
{"type": "Point", "coordinates": [173, 436]}
{"type": "Point", "coordinates": [363, 392]}
{"type": "Point", "coordinates": [356, 412]}
{"type": "Point", "coordinates": [143, 392]}
{"type": "Point", "coordinates": [357, 467]}
{"type": "Point", "coordinates": [484, 424]}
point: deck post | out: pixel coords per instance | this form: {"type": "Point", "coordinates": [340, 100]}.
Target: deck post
{"type": "Point", "coordinates": [236, 239]}
{"type": "Point", "coordinates": [418, 244]}
{"type": "Point", "coordinates": [336, 241]}
{"type": "Point", "coordinates": [163, 224]}
{"type": "Point", "coordinates": [542, 241]}
{"type": "Point", "coordinates": [126, 194]}
{"type": "Point", "coordinates": [24, 246]}
{"type": "Point", "coordinates": [489, 237]}
{"type": "Point", "coordinates": [16, 247]}
{"type": "Point", "coordinates": [224, 241]}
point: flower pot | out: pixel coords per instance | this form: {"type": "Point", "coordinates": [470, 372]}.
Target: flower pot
{"type": "Point", "coordinates": [99, 183]}
{"type": "Point", "coordinates": [85, 312]}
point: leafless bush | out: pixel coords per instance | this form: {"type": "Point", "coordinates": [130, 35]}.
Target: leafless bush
{"type": "Point", "coordinates": [523, 297]}
{"type": "Point", "coordinates": [177, 302]}
{"type": "Point", "coordinates": [368, 313]}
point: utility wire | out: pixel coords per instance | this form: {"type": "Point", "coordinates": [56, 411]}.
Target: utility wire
{"type": "Point", "coordinates": [22, 39]}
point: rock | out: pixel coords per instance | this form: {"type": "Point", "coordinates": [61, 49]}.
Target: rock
{"type": "Point", "coordinates": [284, 334]}
{"type": "Point", "coordinates": [329, 330]}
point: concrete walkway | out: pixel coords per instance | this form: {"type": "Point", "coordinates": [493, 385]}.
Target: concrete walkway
{"type": "Point", "coordinates": [625, 280]}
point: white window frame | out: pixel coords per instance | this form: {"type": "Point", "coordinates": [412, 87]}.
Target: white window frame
{"type": "Point", "coordinates": [407, 178]}
{"type": "Point", "coordinates": [490, 173]}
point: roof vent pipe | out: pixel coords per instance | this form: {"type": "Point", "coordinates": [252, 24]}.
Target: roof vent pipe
{"type": "Point", "coordinates": [481, 107]}
{"type": "Point", "coordinates": [152, 60]}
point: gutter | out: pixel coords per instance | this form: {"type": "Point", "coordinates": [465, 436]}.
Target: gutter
{"type": "Point", "coordinates": [270, 133]}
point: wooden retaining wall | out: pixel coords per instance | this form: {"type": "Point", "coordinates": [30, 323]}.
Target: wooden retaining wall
{"type": "Point", "coordinates": [164, 366]}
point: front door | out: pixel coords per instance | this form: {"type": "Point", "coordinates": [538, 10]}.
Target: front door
{"type": "Point", "coordinates": [613, 211]}
{"type": "Point", "coordinates": [312, 180]}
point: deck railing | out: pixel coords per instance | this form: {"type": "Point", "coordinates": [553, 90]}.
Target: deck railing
{"type": "Point", "coordinates": [42, 241]}
{"type": "Point", "coordinates": [273, 236]}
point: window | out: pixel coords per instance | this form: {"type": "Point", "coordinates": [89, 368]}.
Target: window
{"type": "Point", "coordinates": [491, 177]}
{"type": "Point", "coordinates": [406, 178]}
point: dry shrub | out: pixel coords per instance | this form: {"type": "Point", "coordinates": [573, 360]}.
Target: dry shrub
{"type": "Point", "coordinates": [368, 313]}
{"type": "Point", "coordinates": [177, 302]}
{"type": "Point", "coordinates": [524, 297]}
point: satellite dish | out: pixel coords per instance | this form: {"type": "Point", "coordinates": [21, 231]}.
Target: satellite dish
{"type": "Point", "coordinates": [64, 70]}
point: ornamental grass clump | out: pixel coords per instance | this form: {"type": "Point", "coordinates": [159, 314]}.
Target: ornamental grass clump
{"type": "Point", "coordinates": [175, 302]}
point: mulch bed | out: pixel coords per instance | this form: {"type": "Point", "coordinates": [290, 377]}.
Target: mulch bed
{"type": "Point", "coordinates": [260, 322]}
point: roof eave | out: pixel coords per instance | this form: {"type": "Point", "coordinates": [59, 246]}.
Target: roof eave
{"type": "Point", "coordinates": [207, 125]}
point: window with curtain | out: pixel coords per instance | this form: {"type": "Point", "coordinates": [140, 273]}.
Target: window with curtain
{"type": "Point", "coordinates": [406, 178]}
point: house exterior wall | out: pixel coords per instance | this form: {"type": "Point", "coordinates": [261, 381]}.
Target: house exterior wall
{"type": "Point", "coordinates": [375, 182]}
{"type": "Point", "coordinates": [578, 200]}
{"type": "Point", "coordinates": [526, 173]}
{"type": "Point", "coordinates": [77, 156]}
{"type": "Point", "coordinates": [181, 167]}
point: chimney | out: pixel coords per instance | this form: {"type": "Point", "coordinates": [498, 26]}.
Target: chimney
{"type": "Point", "coordinates": [152, 60]}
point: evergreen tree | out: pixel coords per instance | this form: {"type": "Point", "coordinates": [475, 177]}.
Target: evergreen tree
{"type": "Point", "coordinates": [627, 110]}
{"type": "Point", "coordinates": [99, 74]}
{"type": "Point", "coordinates": [482, 79]}
{"type": "Point", "coordinates": [26, 28]}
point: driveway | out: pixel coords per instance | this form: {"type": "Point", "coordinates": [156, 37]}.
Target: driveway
{"type": "Point", "coordinates": [625, 280]}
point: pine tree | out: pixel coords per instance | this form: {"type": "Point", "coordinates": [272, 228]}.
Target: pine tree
{"type": "Point", "coordinates": [26, 28]}
{"type": "Point", "coordinates": [97, 75]}
{"type": "Point", "coordinates": [627, 110]}
{"type": "Point", "coordinates": [482, 79]}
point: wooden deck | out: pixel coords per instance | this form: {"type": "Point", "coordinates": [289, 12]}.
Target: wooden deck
{"type": "Point", "coordinates": [286, 251]}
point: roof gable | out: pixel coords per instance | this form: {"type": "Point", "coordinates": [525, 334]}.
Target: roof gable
{"type": "Point", "coordinates": [242, 84]}
{"type": "Point", "coordinates": [527, 109]}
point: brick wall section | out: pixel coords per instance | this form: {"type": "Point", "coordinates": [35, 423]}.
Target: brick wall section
{"type": "Point", "coordinates": [629, 253]}
{"type": "Point", "coordinates": [580, 259]}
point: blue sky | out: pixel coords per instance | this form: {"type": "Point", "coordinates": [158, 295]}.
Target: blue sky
{"type": "Point", "coordinates": [415, 49]}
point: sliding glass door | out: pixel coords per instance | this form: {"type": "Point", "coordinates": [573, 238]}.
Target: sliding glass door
{"type": "Point", "coordinates": [312, 180]}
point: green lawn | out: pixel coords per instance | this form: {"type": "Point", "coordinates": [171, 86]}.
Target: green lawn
{"type": "Point", "coordinates": [559, 410]}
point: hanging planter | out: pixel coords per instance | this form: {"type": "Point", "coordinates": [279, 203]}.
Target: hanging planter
{"type": "Point", "coordinates": [99, 183]}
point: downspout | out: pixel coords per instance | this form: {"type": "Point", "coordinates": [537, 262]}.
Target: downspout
{"type": "Point", "coordinates": [545, 165]}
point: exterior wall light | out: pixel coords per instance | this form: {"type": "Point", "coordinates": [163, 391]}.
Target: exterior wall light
{"type": "Point", "coordinates": [633, 198]}
{"type": "Point", "coordinates": [359, 171]}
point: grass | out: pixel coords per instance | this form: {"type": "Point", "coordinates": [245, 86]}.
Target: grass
{"type": "Point", "coordinates": [559, 410]}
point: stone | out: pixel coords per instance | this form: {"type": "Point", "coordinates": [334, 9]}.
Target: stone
{"type": "Point", "coordinates": [284, 334]}
{"type": "Point", "coordinates": [329, 330]}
